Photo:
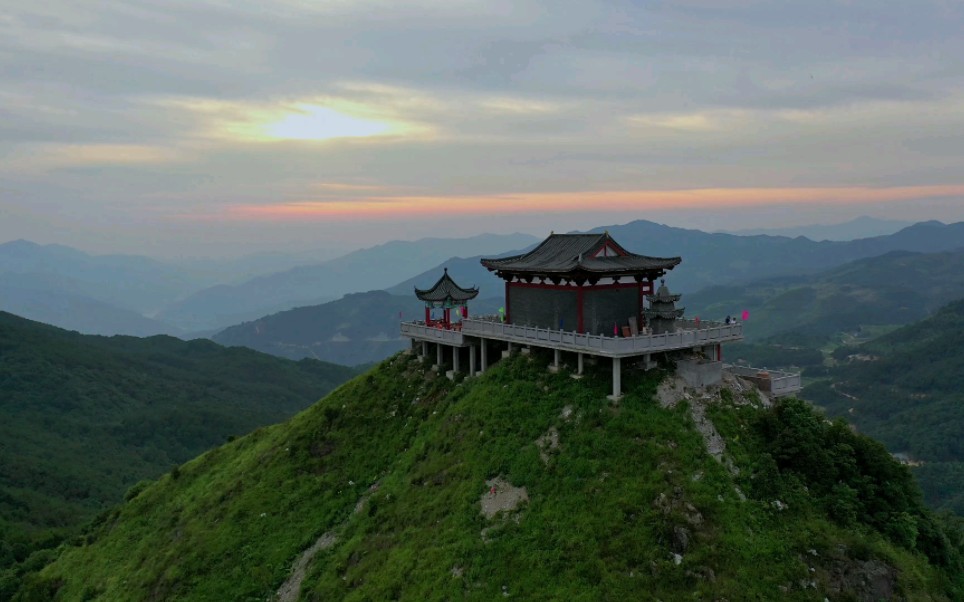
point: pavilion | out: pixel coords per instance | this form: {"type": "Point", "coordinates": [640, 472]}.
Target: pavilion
{"type": "Point", "coordinates": [448, 296]}
{"type": "Point", "coordinates": [580, 294]}
{"type": "Point", "coordinates": [581, 282]}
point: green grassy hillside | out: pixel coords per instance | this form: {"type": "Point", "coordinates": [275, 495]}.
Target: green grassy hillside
{"type": "Point", "coordinates": [907, 390]}
{"type": "Point", "coordinates": [82, 418]}
{"type": "Point", "coordinates": [387, 481]}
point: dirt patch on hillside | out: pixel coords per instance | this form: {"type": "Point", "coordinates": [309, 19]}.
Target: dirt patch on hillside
{"type": "Point", "coordinates": [291, 588]}
{"type": "Point", "coordinates": [671, 391]}
{"type": "Point", "coordinates": [501, 496]}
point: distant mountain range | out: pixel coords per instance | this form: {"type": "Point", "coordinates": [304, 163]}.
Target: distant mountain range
{"type": "Point", "coordinates": [135, 295]}
{"type": "Point", "coordinates": [133, 283]}
{"type": "Point", "coordinates": [22, 295]}
{"type": "Point", "coordinates": [791, 317]}
{"type": "Point", "coordinates": [861, 227]}
{"type": "Point", "coordinates": [367, 269]}
{"type": "Point", "coordinates": [359, 328]}
{"type": "Point", "coordinates": [717, 259]}
{"type": "Point", "coordinates": [711, 259]}
{"type": "Point", "coordinates": [892, 289]}
{"type": "Point", "coordinates": [51, 283]}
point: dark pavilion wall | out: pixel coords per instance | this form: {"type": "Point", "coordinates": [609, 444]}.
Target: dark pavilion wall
{"type": "Point", "coordinates": [558, 308]}
{"type": "Point", "coordinates": [543, 307]}
{"type": "Point", "coordinates": [601, 308]}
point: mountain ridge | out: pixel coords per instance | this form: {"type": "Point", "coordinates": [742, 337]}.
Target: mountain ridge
{"type": "Point", "coordinates": [84, 417]}
{"type": "Point", "coordinates": [859, 227]}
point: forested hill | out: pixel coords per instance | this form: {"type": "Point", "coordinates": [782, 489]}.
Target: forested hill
{"type": "Point", "coordinates": [793, 318]}
{"type": "Point", "coordinates": [907, 390]}
{"type": "Point", "coordinates": [892, 289]}
{"type": "Point", "coordinates": [523, 484]}
{"type": "Point", "coordinates": [82, 418]}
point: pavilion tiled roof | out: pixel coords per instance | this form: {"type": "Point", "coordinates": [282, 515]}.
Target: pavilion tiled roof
{"type": "Point", "coordinates": [563, 253]}
{"type": "Point", "coordinates": [446, 290]}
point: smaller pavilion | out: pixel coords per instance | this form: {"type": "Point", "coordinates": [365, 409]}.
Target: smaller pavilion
{"type": "Point", "coordinates": [447, 295]}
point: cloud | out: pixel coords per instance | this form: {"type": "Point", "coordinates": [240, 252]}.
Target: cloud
{"type": "Point", "coordinates": [45, 157]}
{"type": "Point", "coordinates": [187, 106]}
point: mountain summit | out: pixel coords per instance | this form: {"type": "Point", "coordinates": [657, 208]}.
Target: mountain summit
{"type": "Point", "coordinates": [523, 484]}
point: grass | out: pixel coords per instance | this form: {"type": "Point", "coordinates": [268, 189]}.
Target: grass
{"type": "Point", "coordinates": [605, 515]}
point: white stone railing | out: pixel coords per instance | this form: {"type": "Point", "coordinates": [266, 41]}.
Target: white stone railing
{"type": "Point", "coordinates": [686, 336]}
{"type": "Point", "coordinates": [421, 331]}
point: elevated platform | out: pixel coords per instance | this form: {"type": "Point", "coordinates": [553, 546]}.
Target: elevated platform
{"type": "Point", "coordinates": [688, 335]}
{"type": "Point", "coordinates": [474, 334]}
{"type": "Point", "coordinates": [419, 331]}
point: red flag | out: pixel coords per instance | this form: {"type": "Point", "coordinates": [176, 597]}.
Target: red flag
{"type": "Point", "coordinates": [746, 315]}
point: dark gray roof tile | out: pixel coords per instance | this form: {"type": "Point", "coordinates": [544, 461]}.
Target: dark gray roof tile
{"type": "Point", "coordinates": [562, 253]}
{"type": "Point", "coordinates": [446, 290]}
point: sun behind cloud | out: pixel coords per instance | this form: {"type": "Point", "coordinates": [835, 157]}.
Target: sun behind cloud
{"type": "Point", "coordinates": [313, 122]}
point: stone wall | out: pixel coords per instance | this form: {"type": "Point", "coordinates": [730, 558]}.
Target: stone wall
{"type": "Point", "coordinates": [700, 372]}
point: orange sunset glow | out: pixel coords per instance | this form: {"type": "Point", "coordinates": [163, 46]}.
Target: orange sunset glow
{"type": "Point", "coordinates": [391, 207]}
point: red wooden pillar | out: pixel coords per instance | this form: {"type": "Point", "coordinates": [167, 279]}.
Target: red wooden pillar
{"type": "Point", "coordinates": [448, 317]}
{"type": "Point", "coordinates": [579, 321]}
{"type": "Point", "coordinates": [639, 310]}
{"type": "Point", "coordinates": [507, 306]}
{"type": "Point", "coordinates": [428, 315]}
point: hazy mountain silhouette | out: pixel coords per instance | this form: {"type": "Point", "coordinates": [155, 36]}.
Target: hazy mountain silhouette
{"type": "Point", "coordinates": [33, 296]}
{"type": "Point", "coordinates": [860, 227]}
{"type": "Point", "coordinates": [359, 328]}
{"type": "Point", "coordinates": [362, 270]}
{"type": "Point", "coordinates": [130, 282]}
{"type": "Point", "coordinates": [717, 259]}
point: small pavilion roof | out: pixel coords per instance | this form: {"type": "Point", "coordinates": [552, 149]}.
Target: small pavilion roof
{"type": "Point", "coordinates": [446, 290]}
{"type": "Point", "coordinates": [564, 253]}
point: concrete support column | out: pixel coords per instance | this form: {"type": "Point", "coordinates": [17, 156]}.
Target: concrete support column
{"type": "Point", "coordinates": [579, 363]}
{"type": "Point", "coordinates": [455, 359]}
{"type": "Point", "coordinates": [424, 349]}
{"type": "Point", "coordinates": [438, 355]}
{"type": "Point", "coordinates": [472, 360]}
{"type": "Point", "coordinates": [617, 379]}
{"type": "Point", "coordinates": [485, 356]}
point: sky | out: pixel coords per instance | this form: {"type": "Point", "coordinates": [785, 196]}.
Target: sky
{"type": "Point", "coordinates": [225, 127]}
